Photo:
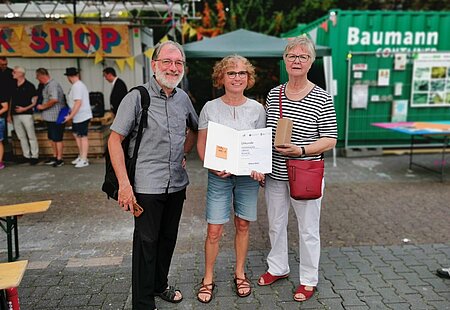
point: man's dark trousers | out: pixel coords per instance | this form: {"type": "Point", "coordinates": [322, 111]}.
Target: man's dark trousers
{"type": "Point", "coordinates": [154, 240]}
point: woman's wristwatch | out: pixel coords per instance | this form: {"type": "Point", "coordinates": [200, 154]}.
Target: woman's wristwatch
{"type": "Point", "coordinates": [303, 151]}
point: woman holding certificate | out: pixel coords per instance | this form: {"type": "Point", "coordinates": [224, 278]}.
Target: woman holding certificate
{"type": "Point", "coordinates": [310, 112]}
{"type": "Point", "coordinates": [235, 74]}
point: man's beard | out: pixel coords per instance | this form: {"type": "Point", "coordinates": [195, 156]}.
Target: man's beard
{"type": "Point", "coordinates": [161, 78]}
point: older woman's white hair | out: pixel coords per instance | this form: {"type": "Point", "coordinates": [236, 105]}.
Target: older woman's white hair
{"type": "Point", "coordinates": [302, 40]}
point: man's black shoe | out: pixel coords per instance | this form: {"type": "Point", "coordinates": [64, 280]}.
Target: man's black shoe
{"type": "Point", "coordinates": [58, 163]}
{"type": "Point", "coordinates": [34, 161]}
{"type": "Point", "coordinates": [50, 161]}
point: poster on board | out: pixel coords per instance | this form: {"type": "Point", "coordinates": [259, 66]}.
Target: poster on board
{"type": "Point", "coordinates": [431, 80]}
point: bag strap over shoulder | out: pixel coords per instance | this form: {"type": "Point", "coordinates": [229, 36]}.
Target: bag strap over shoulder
{"type": "Point", "coordinates": [145, 104]}
{"type": "Point", "coordinates": [279, 100]}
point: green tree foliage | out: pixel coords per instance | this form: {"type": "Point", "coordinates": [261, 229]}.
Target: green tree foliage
{"type": "Point", "coordinates": [274, 17]}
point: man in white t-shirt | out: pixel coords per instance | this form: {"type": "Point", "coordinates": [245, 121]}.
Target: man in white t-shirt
{"type": "Point", "coordinates": [80, 115]}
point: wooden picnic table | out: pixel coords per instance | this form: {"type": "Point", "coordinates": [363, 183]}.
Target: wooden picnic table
{"type": "Point", "coordinates": [8, 221]}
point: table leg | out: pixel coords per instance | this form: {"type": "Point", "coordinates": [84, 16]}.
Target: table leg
{"type": "Point", "coordinates": [11, 227]}
{"type": "Point", "coordinates": [3, 302]}
{"type": "Point", "coordinates": [443, 163]}
{"type": "Point", "coordinates": [9, 224]}
{"type": "Point", "coordinates": [16, 237]}
{"type": "Point", "coordinates": [411, 148]}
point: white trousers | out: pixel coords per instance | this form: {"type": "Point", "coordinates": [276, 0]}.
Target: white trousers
{"type": "Point", "coordinates": [24, 128]}
{"type": "Point", "coordinates": [278, 202]}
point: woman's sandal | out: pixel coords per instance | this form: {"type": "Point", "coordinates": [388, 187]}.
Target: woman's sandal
{"type": "Point", "coordinates": [206, 289]}
{"type": "Point", "coordinates": [242, 284]}
{"type": "Point", "coordinates": [302, 290]}
{"type": "Point", "coordinates": [269, 278]}
{"type": "Point", "coordinates": [169, 295]}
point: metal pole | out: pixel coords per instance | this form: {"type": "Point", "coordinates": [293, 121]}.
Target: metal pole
{"type": "Point", "coordinates": [75, 20]}
{"type": "Point", "coordinates": [347, 114]}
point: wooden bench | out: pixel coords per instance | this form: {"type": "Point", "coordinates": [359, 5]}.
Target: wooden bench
{"type": "Point", "coordinates": [10, 276]}
{"type": "Point", "coordinates": [11, 273]}
{"type": "Point", "coordinates": [8, 221]}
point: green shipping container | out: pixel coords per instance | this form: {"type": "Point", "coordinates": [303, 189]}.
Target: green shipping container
{"type": "Point", "coordinates": [367, 49]}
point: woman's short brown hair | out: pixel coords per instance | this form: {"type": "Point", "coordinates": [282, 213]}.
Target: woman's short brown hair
{"type": "Point", "coordinates": [231, 61]}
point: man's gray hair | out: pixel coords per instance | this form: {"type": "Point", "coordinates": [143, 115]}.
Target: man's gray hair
{"type": "Point", "coordinates": [302, 40]}
{"type": "Point", "coordinates": [159, 46]}
{"type": "Point", "coordinates": [20, 69]}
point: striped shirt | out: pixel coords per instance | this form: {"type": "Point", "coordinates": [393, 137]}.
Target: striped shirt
{"type": "Point", "coordinates": [313, 118]}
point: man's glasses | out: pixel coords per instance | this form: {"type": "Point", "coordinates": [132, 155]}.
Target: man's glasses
{"type": "Point", "coordinates": [169, 62]}
{"type": "Point", "coordinates": [233, 74]}
{"type": "Point", "coordinates": [302, 58]}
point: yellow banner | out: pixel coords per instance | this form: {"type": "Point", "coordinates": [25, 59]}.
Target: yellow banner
{"type": "Point", "coordinates": [57, 40]}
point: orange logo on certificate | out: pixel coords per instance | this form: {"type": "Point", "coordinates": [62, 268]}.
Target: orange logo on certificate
{"type": "Point", "coordinates": [221, 152]}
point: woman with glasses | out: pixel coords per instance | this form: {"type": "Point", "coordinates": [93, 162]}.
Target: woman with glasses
{"type": "Point", "coordinates": [314, 131]}
{"type": "Point", "coordinates": [235, 74]}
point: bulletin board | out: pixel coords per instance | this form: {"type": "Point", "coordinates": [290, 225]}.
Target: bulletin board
{"type": "Point", "coordinates": [382, 89]}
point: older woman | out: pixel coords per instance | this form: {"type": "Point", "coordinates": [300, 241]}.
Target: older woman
{"type": "Point", "coordinates": [314, 132]}
{"type": "Point", "coordinates": [236, 74]}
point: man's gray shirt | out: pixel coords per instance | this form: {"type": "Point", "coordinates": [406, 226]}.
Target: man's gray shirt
{"type": "Point", "coordinates": [158, 167]}
{"type": "Point", "coordinates": [52, 90]}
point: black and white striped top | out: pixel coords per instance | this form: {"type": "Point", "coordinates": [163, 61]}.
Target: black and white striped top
{"type": "Point", "coordinates": [313, 118]}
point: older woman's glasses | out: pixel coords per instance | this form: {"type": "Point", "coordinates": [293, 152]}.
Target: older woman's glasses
{"type": "Point", "coordinates": [233, 74]}
{"type": "Point", "coordinates": [169, 62]}
{"type": "Point", "coordinates": [302, 58]}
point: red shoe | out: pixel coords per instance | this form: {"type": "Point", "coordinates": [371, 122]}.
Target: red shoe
{"type": "Point", "coordinates": [268, 279]}
{"type": "Point", "coordinates": [302, 290]}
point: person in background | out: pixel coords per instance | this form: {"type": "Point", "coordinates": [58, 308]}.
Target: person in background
{"type": "Point", "coordinates": [235, 74]}
{"type": "Point", "coordinates": [314, 131]}
{"type": "Point", "coordinates": [119, 88]}
{"type": "Point", "coordinates": [52, 103]}
{"type": "Point", "coordinates": [185, 85]}
{"type": "Point", "coordinates": [23, 100]}
{"type": "Point", "coordinates": [3, 111]}
{"type": "Point", "coordinates": [80, 114]}
{"type": "Point", "coordinates": [7, 84]}
{"type": "Point", "coordinates": [161, 179]}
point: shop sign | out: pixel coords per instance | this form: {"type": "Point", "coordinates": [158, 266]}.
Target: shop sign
{"type": "Point", "coordinates": [58, 40]}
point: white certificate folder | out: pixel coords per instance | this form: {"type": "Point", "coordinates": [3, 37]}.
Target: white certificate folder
{"type": "Point", "coordinates": [238, 151]}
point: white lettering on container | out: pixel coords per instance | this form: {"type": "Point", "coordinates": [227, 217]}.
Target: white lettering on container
{"type": "Point", "coordinates": [358, 37]}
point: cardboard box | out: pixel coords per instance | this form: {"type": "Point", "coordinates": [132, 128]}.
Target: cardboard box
{"type": "Point", "coordinates": [284, 132]}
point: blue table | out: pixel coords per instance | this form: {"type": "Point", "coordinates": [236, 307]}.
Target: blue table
{"type": "Point", "coordinates": [431, 131]}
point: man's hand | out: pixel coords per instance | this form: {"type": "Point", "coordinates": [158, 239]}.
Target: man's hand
{"type": "Point", "coordinates": [126, 198]}
{"type": "Point", "coordinates": [20, 109]}
{"type": "Point", "coordinates": [40, 107]}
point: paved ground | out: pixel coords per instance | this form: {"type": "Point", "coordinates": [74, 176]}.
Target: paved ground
{"type": "Point", "coordinates": [80, 250]}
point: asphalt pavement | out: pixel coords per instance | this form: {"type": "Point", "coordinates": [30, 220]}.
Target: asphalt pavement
{"type": "Point", "coordinates": [384, 231]}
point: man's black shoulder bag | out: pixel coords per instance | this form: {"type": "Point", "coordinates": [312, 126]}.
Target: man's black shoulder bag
{"type": "Point", "coordinates": [111, 184]}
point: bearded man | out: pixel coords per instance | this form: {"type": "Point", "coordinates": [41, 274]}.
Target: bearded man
{"type": "Point", "coordinates": [161, 179]}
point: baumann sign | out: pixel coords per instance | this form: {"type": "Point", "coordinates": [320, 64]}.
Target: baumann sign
{"type": "Point", "coordinates": [388, 42]}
